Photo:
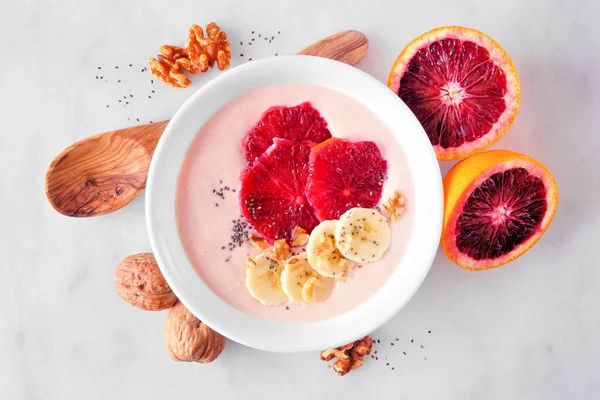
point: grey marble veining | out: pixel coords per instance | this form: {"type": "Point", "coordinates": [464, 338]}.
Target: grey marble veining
{"type": "Point", "coordinates": [525, 331]}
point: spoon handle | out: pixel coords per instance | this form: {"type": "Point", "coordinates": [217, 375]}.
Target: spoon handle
{"type": "Point", "coordinates": [105, 172]}
{"type": "Point", "coordinates": [348, 47]}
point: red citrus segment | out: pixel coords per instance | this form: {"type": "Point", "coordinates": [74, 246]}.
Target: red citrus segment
{"type": "Point", "coordinates": [462, 87]}
{"type": "Point", "coordinates": [272, 191]}
{"type": "Point", "coordinates": [497, 205]}
{"type": "Point", "coordinates": [344, 175]}
{"type": "Point", "coordinates": [299, 123]}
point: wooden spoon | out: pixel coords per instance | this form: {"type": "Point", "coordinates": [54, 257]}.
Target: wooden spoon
{"type": "Point", "coordinates": [103, 173]}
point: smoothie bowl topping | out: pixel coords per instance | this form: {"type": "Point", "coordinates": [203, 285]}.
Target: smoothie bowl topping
{"type": "Point", "coordinates": [310, 205]}
{"type": "Point", "coordinates": [334, 247]}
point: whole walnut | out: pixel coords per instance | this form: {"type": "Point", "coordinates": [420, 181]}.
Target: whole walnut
{"type": "Point", "coordinates": [140, 283]}
{"type": "Point", "coordinates": [188, 339]}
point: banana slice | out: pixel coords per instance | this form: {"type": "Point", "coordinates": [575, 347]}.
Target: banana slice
{"type": "Point", "coordinates": [362, 234]}
{"type": "Point", "coordinates": [263, 279]}
{"type": "Point", "coordinates": [322, 253]}
{"type": "Point", "coordinates": [302, 283]}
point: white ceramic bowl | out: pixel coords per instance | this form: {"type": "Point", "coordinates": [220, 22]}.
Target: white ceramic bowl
{"type": "Point", "coordinates": [286, 337]}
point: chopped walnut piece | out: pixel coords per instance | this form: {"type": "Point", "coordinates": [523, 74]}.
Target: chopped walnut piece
{"type": "Point", "coordinates": [349, 356]}
{"type": "Point", "coordinates": [394, 207]}
{"type": "Point", "coordinates": [299, 237]}
{"type": "Point", "coordinates": [281, 250]}
{"type": "Point", "coordinates": [258, 242]}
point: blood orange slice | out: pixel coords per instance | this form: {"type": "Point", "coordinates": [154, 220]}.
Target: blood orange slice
{"type": "Point", "coordinates": [461, 85]}
{"type": "Point", "coordinates": [301, 122]}
{"type": "Point", "coordinates": [344, 175]}
{"type": "Point", "coordinates": [272, 191]}
{"type": "Point", "coordinates": [497, 205]}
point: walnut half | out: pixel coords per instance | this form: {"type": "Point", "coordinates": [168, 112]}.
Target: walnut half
{"type": "Point", "coordinates": [189, 339]}
{"type": "Point", "coordinates": [205, 51]}
{"type": "Point", "coordinates": [200, 54]}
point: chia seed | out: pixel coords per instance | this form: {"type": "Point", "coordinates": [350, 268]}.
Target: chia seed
{"type": "Point", "coordinates": [239, 234]}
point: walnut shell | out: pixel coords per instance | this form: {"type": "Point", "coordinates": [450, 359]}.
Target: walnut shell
{"type": "Point", "coordinates": [140, 283]}
{"type": "Point", "coordinates": [189, 339]}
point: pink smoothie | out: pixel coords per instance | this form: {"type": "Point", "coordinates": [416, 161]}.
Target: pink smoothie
{"type": "Point", "coordinates": [207, 205]}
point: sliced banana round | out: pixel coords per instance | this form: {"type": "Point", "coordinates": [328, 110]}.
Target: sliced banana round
{"type": "Point", "coordinates": [362, 234]}
{"type": "Point", "coordinates": [263, 279]}
{"type": "Point", "coordinates": [302, 283]}
{"type": "Point", "coordinates": [322, 253]}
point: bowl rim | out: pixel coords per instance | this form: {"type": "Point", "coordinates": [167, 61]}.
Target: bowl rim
{"type": "Point", "coordinates": [195, 294]}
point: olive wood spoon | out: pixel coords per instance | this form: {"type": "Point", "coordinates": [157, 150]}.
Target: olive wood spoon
{"type": "Point", "coordinates": [105, 172]}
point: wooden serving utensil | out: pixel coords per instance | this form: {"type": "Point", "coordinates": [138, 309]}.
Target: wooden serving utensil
{"type": "Point", "coordinates": [105, 172]}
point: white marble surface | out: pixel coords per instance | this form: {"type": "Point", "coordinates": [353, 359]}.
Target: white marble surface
{"type": "Point", "coordinates": [525, 331]}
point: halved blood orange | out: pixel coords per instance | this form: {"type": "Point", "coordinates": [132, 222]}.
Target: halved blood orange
{"type": "Point", "coordinates": [498, 204]}
{"type": "Point", "coordinates": [461, 85]}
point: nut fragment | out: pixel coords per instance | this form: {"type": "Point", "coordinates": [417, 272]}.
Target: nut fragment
{"type": "Point", "coordinates": [299, 237]}
{"type": "Point", "coordinates": [349, 356]}
{"type": "Point", "coordinates": [281, 250]}
{"type": "Point", "coordinates": [258, 242]}
{"type": "Point", "coordinates": [394, 207]}
{"type": "Point", "coordinates": [189, 339]}
{"type": "Point", "coordinates": [140, 283]}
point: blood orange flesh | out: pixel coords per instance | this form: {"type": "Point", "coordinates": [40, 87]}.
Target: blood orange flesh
{"type": "Point", "coordinates": [462, 87]}
{"type": "Point", "coordinates": [272, 191]}
{"type": "Point", "coordinates": [498, 204]}
{"type": "Point", "coordinates": [344, 175]}
{"type": "Point", "coordinates": [505, 210]}
{"type": "Point", "coordinates": [299, 123]}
